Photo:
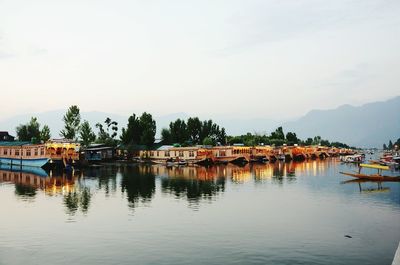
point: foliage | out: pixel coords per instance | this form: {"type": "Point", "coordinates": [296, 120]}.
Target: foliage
{"type": "Point", "coordinates": [86, 133]}
{"type": "Point", "coordinates": [193, 132]}
{"type": "Point", "coordinates": [140, 130]}
{"type": "Point", "coordinates": [208, 141]}
{"type": "Point", "coordinates": [292, 138]}
{"type": "Point", "coordinates": [148, 128]}
{"type": "Point", "coordinates": [72, 120]}
{"type": "Point", "coordinates": [107, 132]}
{"type": "Point", "coordinates": [45, 133]}
{"type": "Point", "coordinates": [31, 131]}
{"type": "Point", "coordinates": [131, 135]}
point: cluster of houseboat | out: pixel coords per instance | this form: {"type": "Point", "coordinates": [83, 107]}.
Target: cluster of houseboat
{"type": "Point", "coordinates": [66, 153]}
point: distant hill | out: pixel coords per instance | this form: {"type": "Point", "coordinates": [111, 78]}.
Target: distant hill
{"type": "Point", "coordinates": [369, 125]}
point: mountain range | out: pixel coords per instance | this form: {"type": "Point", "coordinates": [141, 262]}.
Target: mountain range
{"type": "Point", "coordinates": [369, 125]}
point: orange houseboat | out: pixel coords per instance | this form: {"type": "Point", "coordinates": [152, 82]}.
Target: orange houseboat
{"type": "Point", "coordinates": [23, 154]}
{"type": "Point", "coordinates": [237, 154]}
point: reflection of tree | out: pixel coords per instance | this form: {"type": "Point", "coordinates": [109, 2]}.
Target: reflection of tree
{"type": "Point", "coordinates": [193, 189]}
{"type": "Point", "coordinates": [138, 183]}
{"type": "Point", "coordinates": [106, 176]}
{"type": "Point", "coordinates": [74, 200]}
{"type": "Point", "coordinates": [26, 191]}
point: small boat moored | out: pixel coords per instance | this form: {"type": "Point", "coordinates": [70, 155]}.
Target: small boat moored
{"type": "Point", "coordinates": [372, 177]}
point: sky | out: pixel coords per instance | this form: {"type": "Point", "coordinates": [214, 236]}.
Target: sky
{"type": "Point", "coordinates": [231, 58]}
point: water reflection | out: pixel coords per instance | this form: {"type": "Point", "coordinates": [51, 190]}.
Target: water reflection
{"type": "Point", "coordinates": [138, 183]}
{"type": "Point", "coordinates": [77, 199]}
{"type": "Point", "coordinates": [199, 183]}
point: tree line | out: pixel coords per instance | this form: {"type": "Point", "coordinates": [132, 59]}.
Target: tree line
{"type": "Point", "coordinates": [279, 138]}
{"type": "Point", "coordinates": [391, 145]}
{"type": "Point", "coordinates": [140, 132]}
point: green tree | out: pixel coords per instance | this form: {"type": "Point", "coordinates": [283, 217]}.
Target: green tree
{"type": "Point", "coordinates": [178, 131]}
{"type": "Point", "coordinates": [309, 141]}
{"type": "Point", "coordinates": [133, 132]}
{"type": "Point", "coordinates": [208, 141]}
{"type": "Point", "coordinates": [86, 133]}
{"type": "Point", "coordinates": [29, 131]}
{"type": "Point", "coordinates": [278, 134]}
{"type": "Point", "coordinates": [194, 130]}
{"type": "Point", "coordinates": [166, 136]}
{"type": "Point", "coordinates": [148, 126]}
{"type": "Point", "coordinates": [390, 145]}
{"type": "Point", "coordinates": [107, 132]}
{"type": "Point", "coordinates": [45, 133]}
{"type": "Point", "coordinates": [384, 147]}
{"type": "Point", "coordinates": [72, 120]}
{"type": "Point", "coordinates": [292, 138]}
{"type": "Point", "coordinates": [317, 140]}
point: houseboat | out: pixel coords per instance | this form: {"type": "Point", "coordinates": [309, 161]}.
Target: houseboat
{"type": "Point", "coordinates": [171, 155]}
{"type": "Point", "coordinates": [62, 152]}
{"type": "Point", "coordinates": [99, 153]}
{"type": "Point", "coordinates": [17, 153]}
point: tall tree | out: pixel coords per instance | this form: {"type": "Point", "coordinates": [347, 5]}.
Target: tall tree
{"type": "Point", "coordinates": [86, 134]}
{"type": "Point", "coordinates": [148, 126]}
{"type": "Point", "coordinates": [29, 131]}
{"type": "Point", "coordinates": [194, 130]}
{"type": "Point", "coordinates": [178, 131]}
{"type": "Point", "coordinates": [108, 132]}
{"type": "Point", "coordinates": [45, 133]}
{"type": "Point", "coordinates": [278, 134]}
{"type": "Point", "coordinates": [72, 120]}
{"type": "Point", "coordinates": [166, 136]}
{"type": "Point", "coordinates": [292, 138]}
{"type": "Point", "coordinates": [133, 132]}
{"type": "Point", "coordinates": [390, 145]}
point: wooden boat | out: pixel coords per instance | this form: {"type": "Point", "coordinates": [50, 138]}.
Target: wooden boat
{"type": "Point", "coordinates": [372, 177]}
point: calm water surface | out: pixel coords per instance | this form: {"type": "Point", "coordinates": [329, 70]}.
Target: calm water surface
{"type": "Point", "coordinates": [281, 213]}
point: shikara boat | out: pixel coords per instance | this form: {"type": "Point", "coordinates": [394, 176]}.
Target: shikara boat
{"type": "Point", "coordinates": [372, 177]}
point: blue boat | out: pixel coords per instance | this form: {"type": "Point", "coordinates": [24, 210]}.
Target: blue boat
{"type": "Point", "coordinates": [23, 154]}
{"type": "Point", "coordinates": [29, 170]}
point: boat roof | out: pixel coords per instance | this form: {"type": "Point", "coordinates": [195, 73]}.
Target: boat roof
{"type": "Point", "coordinates": [374, 166]}
{"type": "Point", "coordinates": [14, 143]}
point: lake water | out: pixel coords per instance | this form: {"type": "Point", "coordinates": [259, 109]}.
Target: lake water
{"type": "Point", "coordinates": [281, 213]}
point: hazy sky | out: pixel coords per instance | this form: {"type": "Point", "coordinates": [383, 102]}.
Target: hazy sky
{"type": "Point", "coordinates": [262, 58]}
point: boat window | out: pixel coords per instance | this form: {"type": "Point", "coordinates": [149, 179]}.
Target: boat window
{"type": "Point", "coordinates": [16, 152]}
{"type": "Point", "coordinates": [28, 152]}
{"type": "Point", "coordinates": [167, 153]}
{"type": "Point", "coordinates": [41, 151]}
{"type": "Point", "coordinates": [180, 153]}
{"type": "Point", "coordinates": [191, 154]}
{"type": "Point", "coordinates": [5, 152]}
{"type": "Point", "coordinates": [36, 152]}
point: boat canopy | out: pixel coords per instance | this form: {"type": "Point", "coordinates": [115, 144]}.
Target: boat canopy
{"type": "Point", "coordinates": [375, 166]}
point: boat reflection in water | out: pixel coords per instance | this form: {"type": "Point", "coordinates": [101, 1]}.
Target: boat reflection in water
{"type": "Point", "coordinates": [137, 183]}
{"type": "Point", "coordinates": [29, 180]}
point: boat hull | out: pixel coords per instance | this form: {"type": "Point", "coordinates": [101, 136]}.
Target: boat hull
{"type": "Point", "coordinates": [39, 162]}
{"type": "Point", "coordinates": [371, 177]}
